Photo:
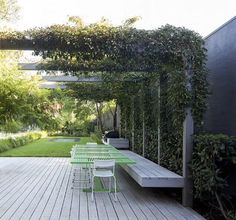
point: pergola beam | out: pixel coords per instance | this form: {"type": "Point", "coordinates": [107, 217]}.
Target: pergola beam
{"type": "Point", "coordinates": [23, 44]}
{"type": "Point", "coordinates": [71, 79]}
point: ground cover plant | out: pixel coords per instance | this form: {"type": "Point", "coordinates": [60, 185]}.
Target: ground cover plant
{"type": "Point", "coordinates": [20, 140]}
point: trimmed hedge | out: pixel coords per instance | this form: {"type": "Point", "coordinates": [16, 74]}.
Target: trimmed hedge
{"type": "Point", "coordinates": [13, 142]}
{"type": "Point", "coordinates": [214, 159]}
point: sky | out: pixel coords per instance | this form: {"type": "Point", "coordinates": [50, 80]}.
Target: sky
{"type": "Point", "coordinates": [202, 16]}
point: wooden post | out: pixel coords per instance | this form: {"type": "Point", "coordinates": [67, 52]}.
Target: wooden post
{"type": "Point", "coordinates": [143, 153]}
{"type": "Point", "coordinates": [188, 129]}
{"type": "Point", "coordinates": [132, 118]}
{"type": "Point", "coordinates": [124, 109]}
{"type": "Point", "coordinates": [143, 121]}
{"type": "Point", "coordinates": [159, 123]}
{"type": "Point", "coordinates": [118, 119]}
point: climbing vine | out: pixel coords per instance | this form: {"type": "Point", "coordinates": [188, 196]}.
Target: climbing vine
{"type": "Point", "coordinates": [131, 64]}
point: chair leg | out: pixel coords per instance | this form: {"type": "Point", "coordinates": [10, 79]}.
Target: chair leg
{"type": "Point", "coordinates": [115, 187]}
{"type": "Point", "coordinates": [92, 196]}
{"type": "Point", "coordinates": [109, 184]}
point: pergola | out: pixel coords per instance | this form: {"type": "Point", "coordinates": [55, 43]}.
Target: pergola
{"type": "Point", "coordinates": [130, 50]}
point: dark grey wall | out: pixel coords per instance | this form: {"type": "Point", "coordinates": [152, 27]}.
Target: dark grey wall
{"type": "Point", "coordinates": [221, 46]}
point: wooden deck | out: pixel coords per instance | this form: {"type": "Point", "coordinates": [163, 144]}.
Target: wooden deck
{"type": "Point", "coordinates": [40, 188]}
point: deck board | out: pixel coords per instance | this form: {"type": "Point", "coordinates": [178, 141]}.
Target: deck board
{"type": "Point", "coordinates": [28, 192]}
{"type": "Point", "coordinates": [40, 188]}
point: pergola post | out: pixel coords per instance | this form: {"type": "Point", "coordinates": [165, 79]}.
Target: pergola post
{"type": "Point", "coordinates": [188, 129]}
{"type": "Point", "coordinates": [118, 119]}
{"type": "Point", "coordinates": [159, 123]}
{"type": "Point", "coordinates": [144, 133]}
{"type": "Point", "coordinates": [143, 122]}
{"type": "Point", "coordinates": [132, 118]}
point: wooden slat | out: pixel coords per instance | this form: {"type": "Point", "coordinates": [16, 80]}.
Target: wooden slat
{"type": "Point", "coordinates": [11, 191]}
{"type": "Point", "coordinates": [56, 212]}
{"type": "Point", "coordinates": [46, 198]}
{"type": "Point", "coordinates": [134, 196]}
{"type": "Point", "coordinates": [148, 174]}
{"type": "Point", "coordinates": [19, 206]}
{"type": "Point", "coordinates": [54, 195]}
{"type": "Point", "coordinates": [40, 193]}
{"type": "Point", "coordinates": [150, 166]}
{"type": "Point", "coordinates": [40, 188]}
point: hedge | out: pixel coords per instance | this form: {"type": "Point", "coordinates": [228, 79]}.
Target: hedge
{"type": "Point", "coordinates": [214, 159]}
{"type": "Point", "coordinates": [13, 142]}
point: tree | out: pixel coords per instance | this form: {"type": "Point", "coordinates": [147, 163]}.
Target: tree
{"type": "Point", "coordinates": [9, 10]}
{"type": "Point", "coordinates": [23, 103]}
{"type": "Point", "coordinates": [8, 13]}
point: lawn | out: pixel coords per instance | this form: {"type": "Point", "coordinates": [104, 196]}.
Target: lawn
{"type": "Point", "coordinates": [45, 148]}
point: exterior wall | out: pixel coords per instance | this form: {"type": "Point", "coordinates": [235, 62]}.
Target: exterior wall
{"type": "Point", "coordinates": [221, 46]}
{"type": "Point", "coordinates": [107, 121]}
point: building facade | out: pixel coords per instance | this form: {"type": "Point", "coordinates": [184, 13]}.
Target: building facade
{"type": "Point", "coordinates": [221, 46]}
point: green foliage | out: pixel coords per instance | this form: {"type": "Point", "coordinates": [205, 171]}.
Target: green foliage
{"type": "Point", "coordinates": [213, 156]}
{"type": "Point", "coordinates": [8, 10]}
{"type": "Point", "coordinates": [130, 62]}
{"type": "Point", "coordinates": [103, 47]}
{"type": "Point", "coordinates": [153, 75]}
{"type": "Point", "coordinates": [23, 103]}
{"type": "Point", "coordinates": [12, 126]}
{"type": "Point", "coordinates": [96, 138]}
{"type": "Point", "coordinates": [137, 121]}
{"type": "Point", "coordinates": [151, 111]}
{"type": "Point", "coordinates": [214, 159]}
{"type": "Point", "coordinates": [9, 143]}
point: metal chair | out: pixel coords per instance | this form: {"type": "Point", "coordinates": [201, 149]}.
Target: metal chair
{"type": "Point", "coordinates": [104, 169]}
{"type": "Point", "coordinates": [91, 144]}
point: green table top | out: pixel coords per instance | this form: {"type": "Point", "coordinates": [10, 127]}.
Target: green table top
{"type": "Point", "coordinates": [86, 154]}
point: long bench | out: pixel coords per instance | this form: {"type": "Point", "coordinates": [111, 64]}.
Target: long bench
{"type": "Point", "coordinates": [119, 143]}
{"type": "Point", "coordinates": [149, 174]}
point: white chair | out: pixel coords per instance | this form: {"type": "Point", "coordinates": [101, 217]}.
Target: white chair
{"type": "Point", "coordinates": [104, 169]}
{"type": "Point", "coordinates": [90, 144]}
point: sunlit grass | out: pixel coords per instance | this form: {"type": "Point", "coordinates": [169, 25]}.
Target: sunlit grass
{"type": "Point", "coordinates": [45, 148]}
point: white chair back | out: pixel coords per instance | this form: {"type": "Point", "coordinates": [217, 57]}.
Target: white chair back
{"type": "Point", "coordinates": [90, 144]}
{"type": "Point", "coordinates": [104, 163]}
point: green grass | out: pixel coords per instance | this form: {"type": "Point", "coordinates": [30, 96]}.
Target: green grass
{"type": "Point", "coordinates": [45, 148]}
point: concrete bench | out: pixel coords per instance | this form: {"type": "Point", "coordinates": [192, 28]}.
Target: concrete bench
{"type": "Point", "coordinates": [120, 143]}
{"type": "Point", "coordinates": [149, 174]}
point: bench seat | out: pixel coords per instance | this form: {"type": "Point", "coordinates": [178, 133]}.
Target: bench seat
{"type": "Point", "coordinates": [149, 174]}
{"type": "Point", "coordinates": [119, 143]}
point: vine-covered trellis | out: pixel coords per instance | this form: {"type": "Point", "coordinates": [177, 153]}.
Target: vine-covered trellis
{"type": "Point", "coordinates": [161, 73]}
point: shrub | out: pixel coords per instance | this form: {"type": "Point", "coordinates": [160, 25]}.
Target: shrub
{"type": "Point", "coordinates": [13, 142]}
{"type": "Point", "coordinates": [12, 126]}
{"type": "Point", "coordinates": [214, 159]}
{"type": "Point", "coordinates": [96, 138]}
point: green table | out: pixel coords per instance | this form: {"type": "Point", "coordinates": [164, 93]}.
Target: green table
{"type": "Point", "coordinates": [84, 154]}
